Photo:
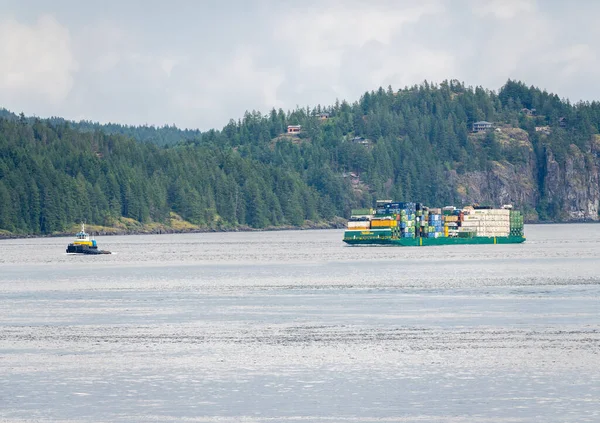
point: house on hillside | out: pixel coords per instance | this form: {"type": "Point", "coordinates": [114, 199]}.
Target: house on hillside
{"type": "Point", "coordinates": [323, 116]}
{"type": "Point", "coordinates": [360, 140]}
{"type": "Point", "coordinates": [528, 112]}
{"type": "Point", "coordinates": [354, 177]}
{"type": "Point", "coordinates": [294, 129]}
{"type": "Point", "coordinates": [543, 129]}
{"type": "Point", "coordinates": [481, 126]}
{"type": "Point", "coordinates": [562, 122]}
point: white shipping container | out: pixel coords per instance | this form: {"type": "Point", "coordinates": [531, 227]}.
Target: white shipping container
{"type": "Point", "coordinates": [494, 225]}
{"type": "Point", "coordinates": [493, 217]}
{"type": "Point", "coordinates": [491, 212]}
{"type": "Point", "coordinates": [359, 225]}
{"type": "Point", "coordinates": [494, 221]}
{"type": "Point", "coordinates": [471, 223]}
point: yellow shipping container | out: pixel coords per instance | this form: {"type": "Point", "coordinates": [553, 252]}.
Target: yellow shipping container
{"type": "Point", "coordinates": [384, 223]}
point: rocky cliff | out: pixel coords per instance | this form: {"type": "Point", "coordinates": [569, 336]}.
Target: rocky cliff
{"type": "Point", "coordinates": [573, 186]}
{"type": "Point", "coordinates": [571, 189]}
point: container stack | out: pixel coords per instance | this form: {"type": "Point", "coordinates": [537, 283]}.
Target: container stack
{"type": "Point", "coordinates": [486, 222]}
{"type": "Point", "coordinates": [385, 216]}
{"type": "Point", "coordinates": [516, 223]}
{"type": "Point", "coordinates": [393, 220]}
{"type": "Point", "coordinates": [388, 208]}
{"type": "Point", "coordinates": [435, 227]}
{"type": "Point", "coordinates": [452, 218]}
{"type": "Point", "coordinates": [406, 219]}
{"type": "Point", "coordinates": [383, 207]}
{"type": "Point", "coordinates": [360, 219]}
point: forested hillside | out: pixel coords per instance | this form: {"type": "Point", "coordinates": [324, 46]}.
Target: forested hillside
{"type": "Point", "coordinates": [416, 144]}
{"type": "Point", "coordinates": [162, 136]}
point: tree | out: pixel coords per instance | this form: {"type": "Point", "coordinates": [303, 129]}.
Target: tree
{"type": "Point", "coordinates": [6, 209]}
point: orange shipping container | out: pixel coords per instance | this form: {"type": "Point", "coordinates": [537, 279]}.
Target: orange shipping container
{"type": "Point", "coordinates": [384, 223]}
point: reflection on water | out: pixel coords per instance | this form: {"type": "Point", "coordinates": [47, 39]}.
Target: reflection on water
{"type": "Point", "coordinates": [297, 327]}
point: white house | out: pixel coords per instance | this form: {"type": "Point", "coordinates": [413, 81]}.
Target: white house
{"type": "Point", "coordinates": [481, 126]}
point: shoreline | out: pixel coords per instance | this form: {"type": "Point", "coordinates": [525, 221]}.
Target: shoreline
{"type": "Point", "coordinates": [334, 224]}
{"type": "Point", "coordinates": [338, 223]}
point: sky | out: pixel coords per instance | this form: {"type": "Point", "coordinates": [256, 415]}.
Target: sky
{"type": "Point", "coordinates": [197, 64]}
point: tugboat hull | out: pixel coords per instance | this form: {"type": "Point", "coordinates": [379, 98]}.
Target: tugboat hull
{"type": "Point", "coordinates": [85, 249]}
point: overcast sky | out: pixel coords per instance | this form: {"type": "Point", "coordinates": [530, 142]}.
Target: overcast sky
{"type": "Point", "coordinates": [197, 64]}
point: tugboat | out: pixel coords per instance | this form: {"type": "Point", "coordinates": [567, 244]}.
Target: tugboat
{"type": "Point", "coordinates": [83, 244]}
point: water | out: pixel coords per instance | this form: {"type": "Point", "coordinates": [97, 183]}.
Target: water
{"type": "Point", "coordinates": [297, 327]}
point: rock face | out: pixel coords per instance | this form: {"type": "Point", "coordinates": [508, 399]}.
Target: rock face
{"type": "Point", "coordinates": [574, 187]}
{"type": "Point", "coordinates": [504, 183]}
{"type": "Point", "coordinates": [570, 191]}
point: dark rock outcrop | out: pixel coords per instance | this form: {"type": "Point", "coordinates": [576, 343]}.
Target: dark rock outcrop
{"type": "Point", "coordinates": [570, 189]}
{"type": "Point", "coordinates": [574, 186]}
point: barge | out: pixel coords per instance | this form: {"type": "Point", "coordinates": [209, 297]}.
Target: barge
{"type": "Point", "coordinates": [410, 224]}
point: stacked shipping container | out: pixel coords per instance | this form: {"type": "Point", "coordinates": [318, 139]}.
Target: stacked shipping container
{"type": "Point", "coordinates": [435, 228]}
{"type": "Point", "coordinates": [407, 220]}
{"type": "Point", "coordinates": [410, 220]}
{"type": "Point", "coordinates": [516, 223]}
{"type": "Point", "coordinates": [486, 222]}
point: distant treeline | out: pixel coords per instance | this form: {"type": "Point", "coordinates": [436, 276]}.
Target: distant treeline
{"type": "Point", "coordinates": [389, 144]}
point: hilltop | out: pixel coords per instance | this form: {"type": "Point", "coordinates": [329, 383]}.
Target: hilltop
{"type": "Point", "coordinates": [435, 143]}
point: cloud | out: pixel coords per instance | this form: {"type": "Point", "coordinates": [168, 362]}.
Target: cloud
{"type": "Point", "coordinates": [319, 38]}
{"type": "Point", "coordinates": [36, 62]}
{"type": "Point", "coordinates": [511, 46]}
{"type": "Point", "coordinates": [574, 58]}
{"type": "Point", "coordinates": [345, 48]}
{"type": "Point", "coordinates": [199, 64]}
{"type": "Point", "coordinates": [502, 9]}
{"type": "Point", "coordinates": [224, 89]}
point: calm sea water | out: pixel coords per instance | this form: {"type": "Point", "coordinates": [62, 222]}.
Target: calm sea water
{"type": "Point", "coordinates": [297, 327]}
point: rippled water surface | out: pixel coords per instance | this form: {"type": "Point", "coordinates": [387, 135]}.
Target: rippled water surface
{"type": "Point", "coordinates": [296, 327]}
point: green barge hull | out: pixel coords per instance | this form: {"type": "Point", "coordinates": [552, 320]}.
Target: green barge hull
{"type": "Point", "coordinates": [370, 238]}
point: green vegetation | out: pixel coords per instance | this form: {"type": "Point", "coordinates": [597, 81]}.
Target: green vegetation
{"type": "Point", "coordinates": [389, 144]}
